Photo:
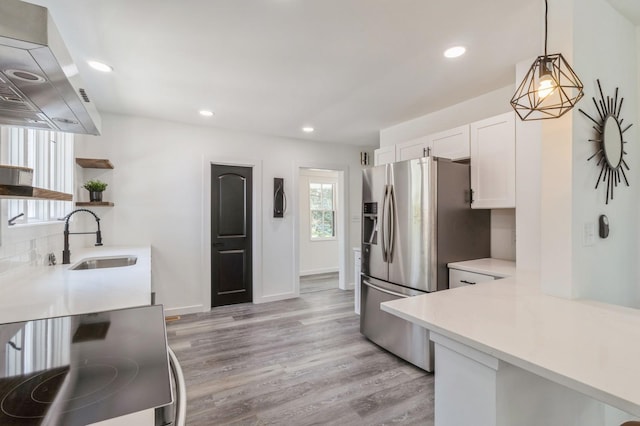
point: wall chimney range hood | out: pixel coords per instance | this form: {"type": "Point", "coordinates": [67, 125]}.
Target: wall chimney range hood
{"type": "Point", "coordinates": [39, 83]}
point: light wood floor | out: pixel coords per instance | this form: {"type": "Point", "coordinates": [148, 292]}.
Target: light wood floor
{"type": "Point", "coordinates": [294, 362]}
{"type": "Point", "coordinates": [318, 282]}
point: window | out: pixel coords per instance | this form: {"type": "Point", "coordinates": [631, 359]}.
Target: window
{"type": "Point", "coordinates": [322, 205]}
{"type": "Point", "coordinates": [50, 155]}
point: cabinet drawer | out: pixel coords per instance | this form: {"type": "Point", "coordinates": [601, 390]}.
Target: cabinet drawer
{"type": "Point", "coordinates": [458, 278]}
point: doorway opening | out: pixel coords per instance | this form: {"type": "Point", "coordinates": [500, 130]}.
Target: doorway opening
{"type": "Point", "coordinates": [231, 234]}
{"type": "Point", "coordinates": [321, 231]}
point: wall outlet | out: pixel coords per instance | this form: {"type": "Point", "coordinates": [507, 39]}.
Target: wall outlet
{"type": "Point", "coordinates": [589, 234]}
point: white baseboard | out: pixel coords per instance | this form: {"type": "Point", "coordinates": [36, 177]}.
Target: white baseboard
{"type": "Point", "coordinates": [274, 298]}
{"type": "Point", "coordinates": [318, 271]}
{"type": "Point", "coordinates": [184, 310]}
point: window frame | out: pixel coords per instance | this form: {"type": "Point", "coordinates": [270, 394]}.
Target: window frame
{"type": "Point", "coordinates": [333, 210]}
{"type": "Point", "coordinates": [51, 155]}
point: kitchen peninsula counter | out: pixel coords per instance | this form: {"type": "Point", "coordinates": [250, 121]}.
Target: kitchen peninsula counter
{"type": "Point", "coordinates": [591, 348]}
{"type": "Point", "coordinates": [50, 291]}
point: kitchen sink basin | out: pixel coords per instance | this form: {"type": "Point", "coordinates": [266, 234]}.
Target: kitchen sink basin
{"type": "Point", "coordinates": [105, 262]}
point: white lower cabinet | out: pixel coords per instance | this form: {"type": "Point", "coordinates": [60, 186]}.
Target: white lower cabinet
{"type": "Point", "coordinates": [458, 278]}
{"type": "Point", "coordinates": [475, 388]}
{"type": "Point", "coordinates": [357, 266]}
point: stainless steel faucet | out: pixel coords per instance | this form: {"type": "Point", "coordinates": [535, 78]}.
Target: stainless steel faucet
{"type": "Point", "coordinates": [66, 254]}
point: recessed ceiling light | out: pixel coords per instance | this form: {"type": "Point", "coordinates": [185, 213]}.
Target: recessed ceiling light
{"type": "Point", "coordinates": [206, 113]}
{"type": "Point", "coordinates": [308, 129]}
{"type": "Point", "coordinates": [100, 66]}
{"type": "Point", "coordinates": [454, 52]}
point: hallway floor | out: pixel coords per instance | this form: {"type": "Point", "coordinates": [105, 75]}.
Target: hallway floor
{"type": "Point", "coordinates": [295, 362]}
{"type": "Point", "coordinates": [318, 282]}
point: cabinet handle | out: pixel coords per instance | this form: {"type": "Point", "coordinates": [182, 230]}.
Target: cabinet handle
{"type": "Point", "coordinates": [467, 282]}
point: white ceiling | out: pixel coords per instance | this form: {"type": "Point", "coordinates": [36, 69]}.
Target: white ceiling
{"type": "Point", "coordinates": [346, 67]}
{"type": "Point", "coordinates": [628, 8]}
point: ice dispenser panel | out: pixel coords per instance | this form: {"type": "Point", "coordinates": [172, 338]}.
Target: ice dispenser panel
{"type": "Point", "coordinates": [370, 223]}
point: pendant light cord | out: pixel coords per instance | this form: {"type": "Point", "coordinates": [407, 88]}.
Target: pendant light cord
{"type": "Point", "coordinates": [546, 12]}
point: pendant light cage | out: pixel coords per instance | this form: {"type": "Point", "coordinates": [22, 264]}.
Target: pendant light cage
{"type": "Point", "coordinates": [550, 88]}
{"type": "Point", "coordinates": [566, 89]}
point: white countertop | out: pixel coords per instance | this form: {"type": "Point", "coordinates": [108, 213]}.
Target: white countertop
{"type": "Point", "coordinates": [591, 347]}
{"type": "Point", "coordinates": [50, 291]}
{"type": "Point", "coordinates": [488, 266]}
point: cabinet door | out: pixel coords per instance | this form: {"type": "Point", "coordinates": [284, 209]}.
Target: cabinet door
{"type": "Point", "coordinates": [415, 148]}
{"type": "Point", "coordinates": [493, 162]}
{"type": "Point", "coordinates": [452, 144]}
{"type": "Point", "coordinates": [357, 267]}
{"type": "Point", "coordinates": [384, 155]}
{"type": "Point", "coordinates": [458, 278]}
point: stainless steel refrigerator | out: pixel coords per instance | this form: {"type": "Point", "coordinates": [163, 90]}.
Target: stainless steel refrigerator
{"type": "Point", "coordinates": [416, 218]}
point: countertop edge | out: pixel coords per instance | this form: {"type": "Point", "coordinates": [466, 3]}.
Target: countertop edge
{"type": "Point", "coordinates": [539, 370]}
{"type": "Point", "coordinates": [53, 291]}
{"type": "Point", "coordinates": [498, 268]}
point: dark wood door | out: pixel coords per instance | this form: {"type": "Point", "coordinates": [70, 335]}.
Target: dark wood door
{"type": "Point", "coordinates": [231, 210]}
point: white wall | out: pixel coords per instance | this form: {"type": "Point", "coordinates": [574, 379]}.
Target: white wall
{"type": "Point", "coordinates": [319, 256]}
{"type": "Point", "coordinates": [474, 109]}
{"type": "Point", "coordinates": [503, 221]}
{"type": "Point", "coordinates": [157, 186]}
{"type": "Point", "coordinates": [606, 271]}
{"type": "Point", "coordinates": [600, 44]}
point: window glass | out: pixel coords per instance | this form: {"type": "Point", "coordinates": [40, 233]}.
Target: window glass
{"type": "Point", "coordinates": [321, 203]}
{"type": "Point", "coordinates": [50, 155]}
{"type": "Point", "coordinates": [315, 196]}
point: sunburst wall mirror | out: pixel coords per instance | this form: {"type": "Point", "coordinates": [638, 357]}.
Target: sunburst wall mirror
{"type": "Point", "coordinates": [609, 138]}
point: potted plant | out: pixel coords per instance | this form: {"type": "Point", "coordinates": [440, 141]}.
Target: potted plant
{"type": "Point", "coordinates": [95, 188]}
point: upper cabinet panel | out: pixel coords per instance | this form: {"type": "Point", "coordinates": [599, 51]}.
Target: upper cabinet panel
{"type": "Point", "coordinates": [493, 162]}
{"type": "Point", "coordinates": [415, 148]}
{"type": "Point", "coordinates": [384, 155]}
{"type": "Point", "coordinates": [452, 144]}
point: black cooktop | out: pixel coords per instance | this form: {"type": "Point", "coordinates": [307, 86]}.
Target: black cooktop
{"type": "Point", "coordinates": [82, 369]}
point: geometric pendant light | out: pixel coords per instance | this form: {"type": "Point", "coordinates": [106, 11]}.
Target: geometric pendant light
{"type": "Point", "coordinates": [550, 88]}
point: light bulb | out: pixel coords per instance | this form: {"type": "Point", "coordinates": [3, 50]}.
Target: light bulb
{"type": "Point", "coordinates": [546, 86]}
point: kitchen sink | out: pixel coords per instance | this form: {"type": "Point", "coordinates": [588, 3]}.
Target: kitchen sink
{"type": "Point", "coordinates": [105, 262]}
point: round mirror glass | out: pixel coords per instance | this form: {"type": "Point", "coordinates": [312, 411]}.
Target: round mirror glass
{"type": "Point", "coordinates": [612, 143]}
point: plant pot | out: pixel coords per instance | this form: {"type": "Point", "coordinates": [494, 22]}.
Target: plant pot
{"type": "Point", "coordinates": [95, 196]}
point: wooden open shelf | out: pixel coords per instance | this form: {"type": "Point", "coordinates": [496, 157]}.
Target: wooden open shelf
{"type": "Point", "coordinates": [94, 163]}
{"type": "Point", "coordinates": [94, 204]}
{"type": "Point", "coordinates": [30, 192]}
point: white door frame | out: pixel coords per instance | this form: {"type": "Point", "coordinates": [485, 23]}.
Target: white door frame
{"type": "Point", "coordinates": [256, 223]}
{"type": "Point", "coordinates": [343, 224]}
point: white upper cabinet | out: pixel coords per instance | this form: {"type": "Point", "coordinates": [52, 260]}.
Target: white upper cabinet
{"type": "Point", "coordinates": [452, 144]}
{"type": "Point", "coordinates": [384, 155]}
{"type": "Point", "coordinates": [493, 162]}
{"type": "Point", "coordinates": [415, 148]}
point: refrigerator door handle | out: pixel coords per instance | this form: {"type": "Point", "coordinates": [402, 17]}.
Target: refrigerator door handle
{"type": "Point", "coordinates": [392, 220]}
{"type": "Point", "coordinates": [383, 224]}
{"type": "Point", "coordinates": [383, 290]}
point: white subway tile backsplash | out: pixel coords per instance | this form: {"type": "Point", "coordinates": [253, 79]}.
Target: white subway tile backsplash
{"type": "Point", "coordinates": [27, 247]}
